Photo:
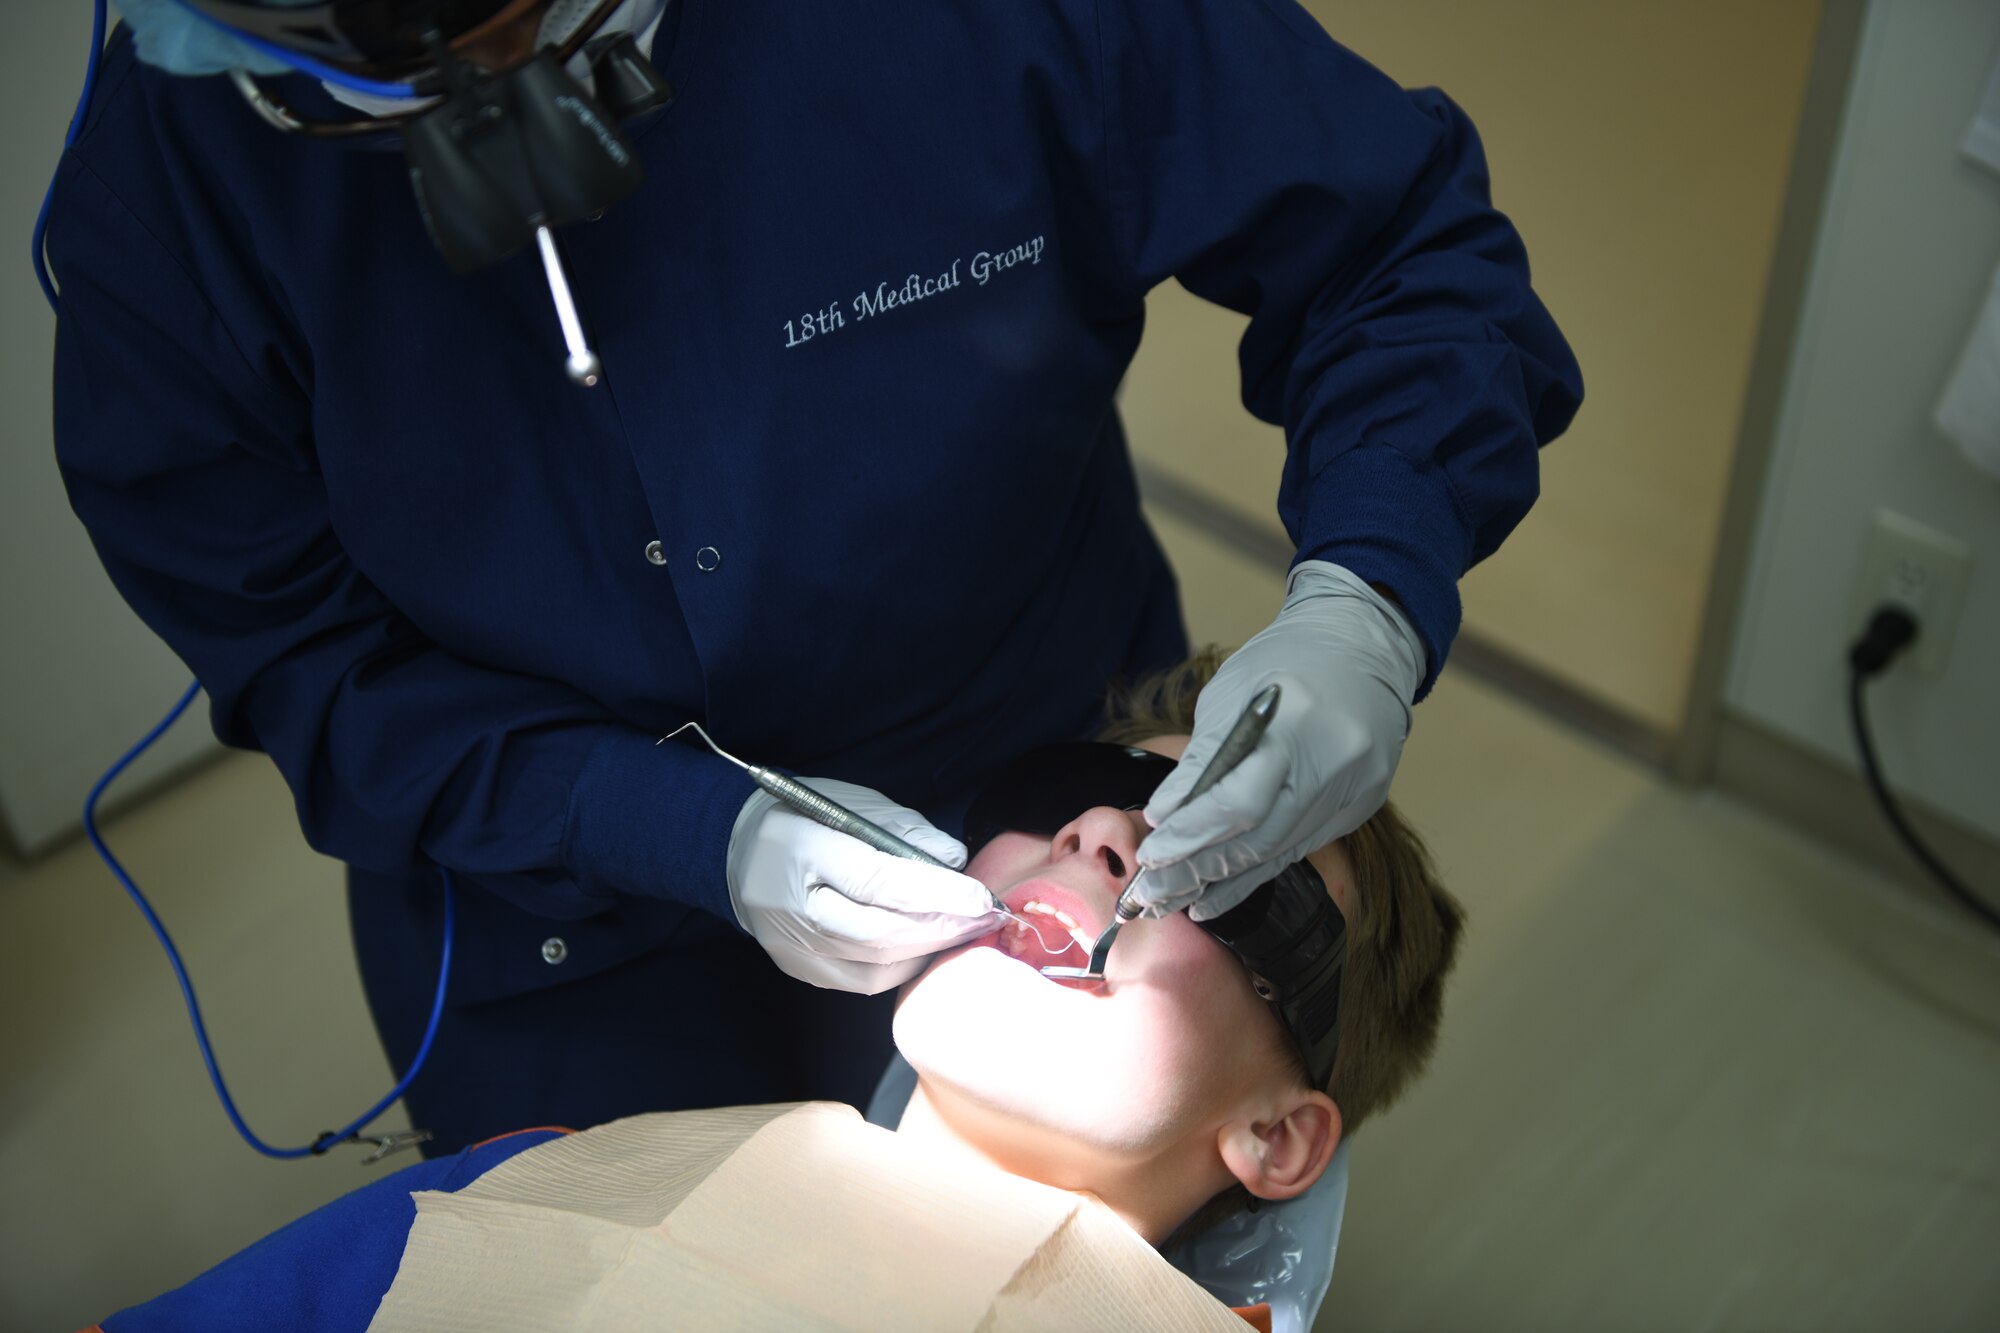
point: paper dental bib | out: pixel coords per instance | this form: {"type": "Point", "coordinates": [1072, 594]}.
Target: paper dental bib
{"type": "Point", "coordinates": [779, 1217]}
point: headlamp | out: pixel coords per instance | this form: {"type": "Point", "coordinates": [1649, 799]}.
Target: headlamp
{"type": "Point", "coordinates": [498, 156]}
{"type": "Point", "coordinates": [1288, 933]}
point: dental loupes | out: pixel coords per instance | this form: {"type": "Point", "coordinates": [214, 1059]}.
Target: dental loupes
{"type": "Point", "coordinates": [1236, 747]}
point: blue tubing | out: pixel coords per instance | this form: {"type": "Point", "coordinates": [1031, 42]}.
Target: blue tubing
{"type": "Point", "coordinates": [331, 1137]}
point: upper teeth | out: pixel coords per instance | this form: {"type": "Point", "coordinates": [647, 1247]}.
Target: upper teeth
{"type": "Point", "coordinates": [1043, 909]}
{"type": "Point", "coordinates": [1063, 919]}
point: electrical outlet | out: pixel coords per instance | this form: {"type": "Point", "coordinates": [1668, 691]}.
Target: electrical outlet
{"type": "Point", "coordinates": [1921, 569]}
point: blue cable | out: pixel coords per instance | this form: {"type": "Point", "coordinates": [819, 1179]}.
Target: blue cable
{"type": "Point", "coordinates": [69, 142]}
{"type": "Point", "coordinates": [331, 1137]}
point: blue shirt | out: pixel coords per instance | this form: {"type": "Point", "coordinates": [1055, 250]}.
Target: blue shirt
{"type": "Point", "coordinates": [861, 329]}
{"type": "Point", "coordinates": [328, 1271]}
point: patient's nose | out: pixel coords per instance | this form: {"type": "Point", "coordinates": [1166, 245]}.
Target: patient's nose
{"type": "Point", "coordinates": [1106, 836]}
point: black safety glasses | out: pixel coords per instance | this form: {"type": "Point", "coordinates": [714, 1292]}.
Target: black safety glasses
{"type": "Point", "coordinates": [1288, 932]}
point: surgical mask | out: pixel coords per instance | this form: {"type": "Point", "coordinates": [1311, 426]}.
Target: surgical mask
{"type": "Point", "coordinates": [166, 36]}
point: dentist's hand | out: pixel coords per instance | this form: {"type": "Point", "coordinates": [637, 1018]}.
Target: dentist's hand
{"type": "Point", "coordinates": [1350, 664]}
{"type": "Point", "coordinates": [832, 910]}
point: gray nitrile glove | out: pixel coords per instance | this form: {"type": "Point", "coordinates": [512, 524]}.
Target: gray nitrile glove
{"type": "Point", "coordinates": [833, 911]}
{"type": "Point", "coordinates": [1350, 665]}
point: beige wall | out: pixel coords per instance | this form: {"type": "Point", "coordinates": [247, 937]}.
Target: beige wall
{"type": "Point", "coordinates": [1906, 247]}
{"type": "Point", "coordinates": [1642, 151]}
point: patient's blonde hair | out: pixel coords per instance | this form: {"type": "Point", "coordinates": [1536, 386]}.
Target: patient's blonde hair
{"type": "Point", "coordinates": [1402, 926]}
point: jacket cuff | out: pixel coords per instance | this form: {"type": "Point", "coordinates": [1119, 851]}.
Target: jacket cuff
{"type": "Point", "coordinates": [1398, 523]}
{"type": "Point", "coordinates": [653, 821]}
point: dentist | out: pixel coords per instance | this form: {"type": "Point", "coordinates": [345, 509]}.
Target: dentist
{"type": "Point", "coordinates": [456, 597]}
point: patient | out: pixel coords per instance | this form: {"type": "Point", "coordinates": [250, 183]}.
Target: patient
{"type": "Point", "coordinates": [1173, 1084]}
{"type": "Point", "coordinates": [1172, 1093]}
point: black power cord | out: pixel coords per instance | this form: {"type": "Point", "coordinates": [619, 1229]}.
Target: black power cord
{"type": "Point", "coordinates": [1890, 630]}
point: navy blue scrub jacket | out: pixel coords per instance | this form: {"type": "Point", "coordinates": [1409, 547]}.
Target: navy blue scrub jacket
{"type": "Point", "coordinates": [861, 329]}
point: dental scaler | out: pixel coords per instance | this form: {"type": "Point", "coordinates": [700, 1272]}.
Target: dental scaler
{"type": "Point", "coordinates": [815, 806]}
{"type": "Point", "coordinates": [832, 814]}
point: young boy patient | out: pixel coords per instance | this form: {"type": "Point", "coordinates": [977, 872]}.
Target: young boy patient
{"type": "Point", "coordinates": [1058, 1130]}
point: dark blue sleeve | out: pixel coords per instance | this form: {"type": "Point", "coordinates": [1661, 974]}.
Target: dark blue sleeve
{"type": "Point", "coordinates": [187, 450]}
{"type": "Point", "coordinates": [1393, 333]}
{"type": "Point", "coordinates": [326, 1272]}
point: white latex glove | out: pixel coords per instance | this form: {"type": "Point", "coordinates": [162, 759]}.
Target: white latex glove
{"type": "Point", "coordinates": [832, 910]}
{"type": "Point", "coordinates": [1350, 665]}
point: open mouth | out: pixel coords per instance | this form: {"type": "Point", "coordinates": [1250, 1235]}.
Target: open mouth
{"type": "Point", "coordinates": [1051, 927]}
{"type": "Point", "coordinates": [1044, 936]}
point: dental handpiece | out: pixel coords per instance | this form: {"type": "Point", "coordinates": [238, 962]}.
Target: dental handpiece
{"type": "Point", "coordinates": [826, 812]}
{"type": "Point", "coordinates": [1236, 747]}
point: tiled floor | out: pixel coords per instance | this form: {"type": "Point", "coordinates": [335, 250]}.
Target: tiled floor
{"type": "Point", "coordinates": [1696, 1074]}
{"type": "Point", "coordinates": [1699, 1074]}
{"type": "Point", "coordinates": [119, 1175]}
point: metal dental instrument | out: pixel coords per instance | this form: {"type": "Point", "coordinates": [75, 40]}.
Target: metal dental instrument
{"type": "Point", "coordinates": [830, 813]}
{"type": "Point", "coordinates": [1236, 747]}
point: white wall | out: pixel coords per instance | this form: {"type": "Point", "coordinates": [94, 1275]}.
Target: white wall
{"type": "Point", "coordinates": [80, 676]}
{"type": "Point", "coordinates": [1906, 246]}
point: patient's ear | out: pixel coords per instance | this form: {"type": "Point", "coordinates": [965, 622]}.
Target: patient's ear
{"type": "Point", "coordinates": [1280, 1156]}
